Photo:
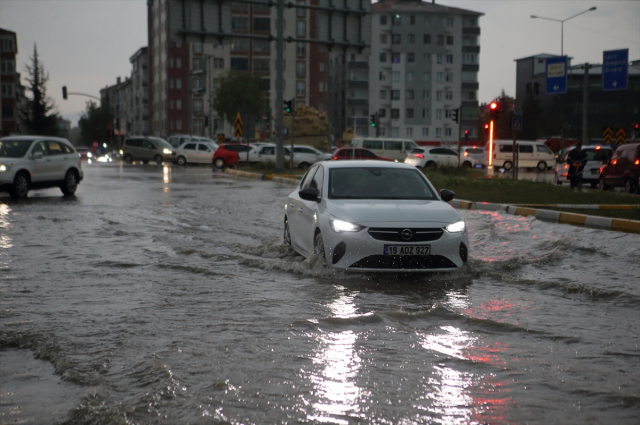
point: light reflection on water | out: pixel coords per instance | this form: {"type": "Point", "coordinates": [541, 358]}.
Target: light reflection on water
{"type": "Point", "coordinates": [335, 385]}
{"type": "Point", "coordinates": [5, 241]}
{"type": "Point", "coordinates": [166, 174]}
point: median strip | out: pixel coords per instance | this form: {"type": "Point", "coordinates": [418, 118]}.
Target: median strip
{"type": "Point", "coordinates": [258, 176]}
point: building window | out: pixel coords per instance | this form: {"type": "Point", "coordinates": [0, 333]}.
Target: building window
{"type": "Point", "coordinates": [396, 39]}
{"type": "Point", "coordinates": [448, 77]}
{"type": "Point", "coordinates": [240, 45]}
{"type": "Point", "coordinates": [321, 66]}
{"type": "Point", "coordinates": [262, 24]}
{"type": "Point", "coordinates": [301, 69]}
{"type": "Point", "coordinates": [426, 94]}
{"type": "Point", "coordinates": [198, 64]}
{"type": "Point", "coordinates": [301, 50]}
{"type": "Point", "coordinates": [261, 64]}
{"type": "Point", "coordinates": [7, 112]}
{"type": "Point", "coordinates": [469, 77]}
{"type": "Point", "coordinates": [382, 76]}
{"type": "Point", "coordinates": [469, 40]}
{"type": "Point", "coordinates": [449, 21]}
{"type": "Point", "coordinates": [409, 76]}
{"type": "Point", "coordinates": [469, 95]}
{"type": "Point", "coordinates": [239, 24]}
{"type": "Point", "coordinates": [438, 132]}
{"type": "Point", "coordinates": [321, 86]}
{"type": "Point", "coordinates": [397, 20]}
{"type": "Point", "coordinates": [469, 58]}
{"type": "Point", "coordinates": [439, 95]}
{"type": "Point", "coordinates": [449, 58]}
{"type": "Point", "coordinates": [197, 48]}
{"type": "Point", "coordinates": [411, 57]}
{"type": "Point", "coordinates": [265, 84]}
{"type": "Point", "coordinates": [425, 131]}
{"type": "Point", "coordinates": [447, 131]}
{"type": "Point", "coordinates": [439, 58]}
{"type": "Point", "coordinates": [395, 132]}
{"type": "Point", "coordinates": [448, 95]}
{"type": "Point", "coordinates": [383, 19]}
{"type": "Point", "coordinates": [301, 28]}
{"type": "Point", "coordinates": [449, 40]}
{"type": "Point", "coordinates": [427, 57]}
{"type": "Point", "coordinates": [412, 37]}
{"type": "Point", "coordinates": [395, 57]}
{"type": "Point", "coordinates": [412, 20]}
{"type": "Point", "coordinates": [301, 88]}
{"type": "Point", "coordinates": [410, 130]}
{"type": "Point", "coordinates": [240, 64]}
{"type": "Point", "coordinates": [216, 83]}
{"type": "Point", "coordinates": [178, 62]}
{"type": "Point", "coordinates": [410, 113]}
{"type": "Point", "coordinates": [172, 104]}
{"type": "Point", "coordinates": [395, 113]}
{"type": "Point", "coordinates": [197, 106]}
{"type": "Point", "coordinates": [426, 39]}
{"type": "Point", "coordinates": [441, 40]}
{"type": "Point", "coordinates": [218, 63]}
{"type": "Point", "coordinates": [262, 46]}
{"type": "Point", "coordinates": [383, 94]}
{"type": "Point", "coordinates": [410, 94]}
{"type": "Point", "coordinates": [300, 12]}
{"type": "Point", "coordinates": [426, 76]}
{"type": "Point", "coordinates": [438, 114]}
{"type": "Point", "coordinates": [197, 127]}
{"type": "Point", "coordinates": [395, 76]}
{"type": "Point", "coordinates": [383, 38]}
{"type": "Point", "coordinates": [7, 90]}
{"type": "Point", "coordinates": [178, 124]}
{"type": "Point", "coordinates": [383, 57]}
{"type": "Point", "coordinates": [178, 103]}
{"type": "Point", "coordinates": [395, 94]}
{"type": "Point", "coordinates": [7, 45]}
{"type": "Point", "coordinates": [427, 20]}
{"type": "Point", "coordinates": [448, 113]}
{"type": "Point", "coordinates": [440, 77]}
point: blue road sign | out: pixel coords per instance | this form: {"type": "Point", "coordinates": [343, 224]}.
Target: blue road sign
{"type": "Point", "coordinates": [285, 131]}
{"type": "Point", "coordinates": [516, 123]}
{"type": "Point", "coordinates": [556, 68]}
{"type": "Point", "coordinates": [615, 69]}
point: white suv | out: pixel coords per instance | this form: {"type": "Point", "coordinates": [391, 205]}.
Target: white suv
{"type": "Point", "coordinates": [38, 162]}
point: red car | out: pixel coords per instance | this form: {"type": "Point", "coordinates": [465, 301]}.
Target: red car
{"type": "Point", "coordinates": [357, 153]}
{"type": "Point", "coordinates": [228, 154]}
{"type": "Point", "coordinates": [623, 169]}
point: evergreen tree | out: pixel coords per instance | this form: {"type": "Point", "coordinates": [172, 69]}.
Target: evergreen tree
{"type": "Point", "coordinates": [239, 92]}
{"type": "Point", "coordinates": [94, 124]}
{"type": "Point", "coordinates": [39, 114]}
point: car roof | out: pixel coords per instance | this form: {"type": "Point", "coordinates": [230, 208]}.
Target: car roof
{"type": "Point", "coordinates": [34, 137]}
{"type": "Point", "coordinates": [364, 163]}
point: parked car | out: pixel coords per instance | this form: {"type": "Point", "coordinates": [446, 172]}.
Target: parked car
{"type": "Point", "coordinates": [367, 216]}
{"type": "Point", "coordinates": [178, 140]}
{"type": "Point", "coordinates": [82, 152]}
{"type": "Point", "coordinates": [229, 154]}
{"type": "Point", "coordinates": [355, 153]}
{"type": "Point", "coordinates": [147, 149]}
{"type": "Point", "coordinates": [472, 157]}
{"type": "Point", "coordinates": [38, 162]}
{"type": "Point", "coordinates": [388, 148]}
{"type": "Point", "coordinates": [597, 156]}
{"type": "Point", "coordinates": [622, 170]}
{"type": "Point", "coordinates": [266, 152]}
{"type": "Point", "coordinates": [196, 153]}
{"type": "Point", "coordinates": [530, 154]}
{"type": "Point", "coordinates": [305, 156]}
{"type": "Point", "coordinates": [425, 157]}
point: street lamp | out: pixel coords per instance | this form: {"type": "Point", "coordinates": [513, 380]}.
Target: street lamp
{"type": "Point", "coordinates": [562, 21]}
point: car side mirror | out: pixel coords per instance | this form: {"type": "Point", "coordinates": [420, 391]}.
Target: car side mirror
{"type": "Point", "coordinates": [37, 155]}
{"type": "Point", "coordinates": [446, 195]}
{"type": "Point", "coordinates": [309, 194]}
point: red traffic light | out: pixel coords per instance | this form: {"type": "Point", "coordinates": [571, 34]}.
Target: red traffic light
{"type": "Point", "coordinates": [493, 106]}
{"type": "Point", "coordinates": [466, 132]}
{"type": "Point", "coordinates": [486, 126]}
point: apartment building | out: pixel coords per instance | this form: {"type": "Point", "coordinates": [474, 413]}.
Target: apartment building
{"type": "Point", "coordinates": [423, 64]}
{"type": "Point", "coordinates": [138, 122]}
{"type": "Point", "coordinates": [10, 83]}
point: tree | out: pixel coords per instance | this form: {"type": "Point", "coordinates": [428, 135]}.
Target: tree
{"type": "Point", "coordinates": [94, 124]}
{"type": "Point", "coordinates": [240, 92]}
{"type": "Point", "coordinates": [39, 114]}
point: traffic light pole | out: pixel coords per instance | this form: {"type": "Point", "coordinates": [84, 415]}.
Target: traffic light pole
{"type": "Point", "coordinates": [293, 128]}
{"type": "Point", "coordinates": [279, 86]}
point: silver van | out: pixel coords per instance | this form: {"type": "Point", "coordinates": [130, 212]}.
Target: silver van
{"type": "Point", "coordinates": [147, 149]}
{"type": "Point", "coordinates": [387, 147]}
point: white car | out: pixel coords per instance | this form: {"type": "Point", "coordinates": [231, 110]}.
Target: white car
{"type": "Point", "coordinates": [472, 157]}
{"type": "Point", "coordinates": [38, 162]}
{"type": "Point", "coordinates": [368, 216]}
{"type": "Point", "coordinates": [196, 153]}
{"type": "Point", "coordinates": [305, 156]}
{"type": "Point", "coordinates": [597, 156]}
{"type": "Point", "coordinates": [426, 157]}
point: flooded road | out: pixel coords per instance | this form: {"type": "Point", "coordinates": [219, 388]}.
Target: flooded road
{"type": "Point", "coordinates": [165, 295]}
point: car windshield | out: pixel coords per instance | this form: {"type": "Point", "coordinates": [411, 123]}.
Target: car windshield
{"type": "Point", "coordinates": [417, 150]}
{"type": "Point", "coordinates": [12, 148]}
{"type": "Point", "coordinates": [378, 183]}
{"type": "Point", "coordinates": [603, 155]}
{"type": "Point", "coordinates": [161, 143]}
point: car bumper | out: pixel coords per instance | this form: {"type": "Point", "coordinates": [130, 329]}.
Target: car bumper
{"type": "Point", "coordinates": [414, 161]}
{"type": "Point", "coordinates": [361, 252]}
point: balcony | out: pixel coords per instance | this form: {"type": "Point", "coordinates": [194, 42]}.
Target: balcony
{"type": "Point", "coordinates": [471, 31]}
{"type": "Point", "coordinates": [358, 103]}
{"type": "Point", "coordinates": [470, 86]}
{"type": "Point", "coordinates": [470, 49]}
{"type": "Point", "coordinates": [358, 65]}
{"type": "Point", "coordinates": [472, 68]}
{"type": "Point", "coordinates": [359, 84]}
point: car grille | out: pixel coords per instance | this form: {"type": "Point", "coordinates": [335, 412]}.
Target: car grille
{"type": "Point", "coordinates": [427, 262]}
{"type": "Point", "coordinates": [396, 234]}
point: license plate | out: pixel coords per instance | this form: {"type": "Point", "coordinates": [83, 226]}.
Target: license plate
{"type": "Point", "coordinates": [407, 249]}
{"type": "Point", "coordinates": [596, 171]}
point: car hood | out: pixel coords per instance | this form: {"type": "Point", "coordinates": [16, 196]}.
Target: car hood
{"type": "Point", "coordinates": [375, 212]}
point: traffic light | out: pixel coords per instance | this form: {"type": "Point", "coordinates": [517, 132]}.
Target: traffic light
{"type": "Point", "coordinates": [64, 92]}
{"type": "Point", "coordinates": [536, 88]}
{"type": "Point", "coordinates": [373, 119]}
{"type": "Point", "coordinates": [466, 135]}
{"type": "Point", "coordinates": [288, 106]}
{"type": "Point", "coordinates": [496, 110]}
{"type": "Point", "coordinates": [455, 114]}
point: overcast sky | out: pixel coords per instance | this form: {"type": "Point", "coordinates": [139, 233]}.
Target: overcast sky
{"type": "Point", "coordinates": [86, 44]}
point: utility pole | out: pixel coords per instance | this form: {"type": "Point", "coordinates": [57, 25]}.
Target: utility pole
{"type": "Point", "coordinates": [279, 84]}
{"type": "Point", "coordinates": [293, 127]}
{"type": "Point", "coordinates": [585, 105]}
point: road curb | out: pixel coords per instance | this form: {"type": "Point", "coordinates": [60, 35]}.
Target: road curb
{"type": "Point", "coordinates": [245, 174]}
{"type": "Point", "coordinates": [604, 223]}
{"type": "Point", "coordinates": [282, 179]}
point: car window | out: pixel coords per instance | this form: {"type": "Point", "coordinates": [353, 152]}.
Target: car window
{"type": "Point", "coordinates": [175, 141]}
{"type": "Point", "coordinates": [392, 145]}
{"type": "Point", "coordinates": [435, 151]}
{"type": "Point", "coordinates": [367, 154]}
{"type": "Point", "coordinates": [268, 150]}
{"type": "Point", "coordinates": [54, 148]}
{"type": "Point", "coordinates": [66, 148]}
{"type": "Point", "coordinates": [147, 144]}
{"type": "Point", "coordinates": [190, 147]}
{"type": "Point", "coordinates": [372, 144]}
{"type": "Point", "coordinates": [505, 148]}
{"type": "Point", "coordinates": [525, 148]}
{"type": "Point", "coordinates": [184, 140]}
{"type": "Point", "coordinates": [136, 143]}
{"type": "Point", "coordinates": [244, 148]}
{"type": "Point", "coordinates": [618, 153]}
{"type": "Point", "coordinates": [417, 150]}
{"type": "Point", "coordinates": [344, 153]}
{"type": "Point", "coordinates": [408, 146]}
{"type": "Point", "coordinates": [203, 148]}
{"type": "Point", "coordinates": [309, 178]}
{"type": "Point", "coordinates": [631, 155]}
{"type": "Point", "coordinates": [40, 147]}
{"type": "Point", "coordinates": [602, 155]}
{"type": "Point", "coordinates": [543, 148]}
{"type": "Point", "coordinates": [475, 150]}
{"type": "Point", "coordinates": [449, 152]}
{"type": "Point", "coordinates": [317, 180]}
{"type": "Point", "coordinates": [378, 183]}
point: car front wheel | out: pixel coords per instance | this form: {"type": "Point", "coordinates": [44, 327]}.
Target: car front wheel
{"type": "Point", "coordinates": [602, 185]}
{"type": "Point", "coordinates": [70, 183]}
{"type": "Point", "coordinates": [20, 186]}
{"type": "Point", "coordinates": [182, 160]}
{"type": "Point", "coordinates": [629, 187]}
{"type": "Point", "coordinates": [542, 166]}
{"type": "Point", "coordinates": [431, 165]}
{"type": "Point", "coordinates": [219, 163]}
{"type": "Point", "coordinates": [128, 159]}
{"type": "Point", "coordinates": [318, 246]}
{"type": "Point", "coordinates": [508, 165]}
{"type": "Point", "coordinates": [158, 159]}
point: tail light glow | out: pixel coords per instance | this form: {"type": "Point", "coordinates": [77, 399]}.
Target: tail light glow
{"type": "Point", "coordinates": [334, 157]}
{"type": "Point", "coordinates": [597, 147]}
{"type": "Point", "coordinates": [614, 162]}
{"type": "Point", "coordinates": [419, 155]}
{"type": "Point", "coordinates": [637, 162]}
{"type": "Point", "coordinates": [466, 153]}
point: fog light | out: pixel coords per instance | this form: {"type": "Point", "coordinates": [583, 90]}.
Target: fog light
{"type": "Point", "coordinates": [463, 252]}
{"type": "Point", "coordinates": [338, 252]}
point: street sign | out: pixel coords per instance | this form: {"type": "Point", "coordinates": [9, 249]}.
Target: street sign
{"type": "Point", "coordinates": [516, 123]}
{"type": "Point", "coordinates": [615, 69]}
{"type": "Point", "coordinates": [556, 69]}
{"type": "Point", "coordinates": [285, 131]}
{"type": "Point", "coordinates": [221, 138]}
{"type": "Point", "coordinates": [621, 136]}
{"type": "Point", "coordinates": [238, 126]}
{"type": "Point", "coordinates": [607, 135]}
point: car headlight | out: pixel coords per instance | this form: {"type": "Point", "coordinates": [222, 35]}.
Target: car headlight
{"type": "Point", "coordinates": [457, 227]}
{"type": "Point", "coordinates": [166, 151]}
{"type": "Point", "coordinates": [4, 167]}
{"type": "Point", "coordinates": [89, 155]}
{"type": "Point", "coordinates": [344, 226]}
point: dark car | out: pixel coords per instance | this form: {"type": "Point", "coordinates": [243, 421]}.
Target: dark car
{"type": "Point", "coordinates": [597, 156]}
{"type": "Point", "coordinates": [229, 154]}
{"type": "Point", "coordinates": [357, 153]}
{"type": "Point", "coordinates": [147, 149]}
{"type": "Point", "coordinates": [623, 169]}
